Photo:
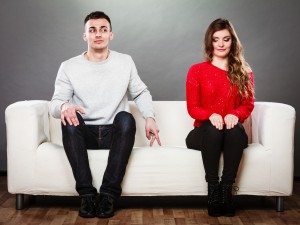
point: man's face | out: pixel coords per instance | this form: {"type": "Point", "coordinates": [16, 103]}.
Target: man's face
{"type": "Point", "coordinates": [97, 34]}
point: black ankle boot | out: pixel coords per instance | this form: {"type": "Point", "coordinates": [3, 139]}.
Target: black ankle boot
{"type": "Point", "coordinates": [227, 203]}
{"type": "Point", "coordinates": [105, 208]}
{"type": "Point", "coordinates": [213, 204]}
{"type": "Point", "coordinates": [87, 207]}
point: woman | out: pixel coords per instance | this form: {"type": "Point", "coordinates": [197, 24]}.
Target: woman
{"type": "Point", "coordinates": [220, 96]}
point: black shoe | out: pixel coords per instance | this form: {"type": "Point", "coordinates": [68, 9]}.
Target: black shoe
{"type": "Point", "coordinates": [105, 208]}
{"type": "Point", "coordinates": [227, 203]}
{"type": "Point", "coordinates": [87, 207]}
{"type": "Point", "coordinates": [213, 203]}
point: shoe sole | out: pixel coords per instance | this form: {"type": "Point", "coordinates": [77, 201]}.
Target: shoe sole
{"type": "Point", "coordinates": [215, 215]}
{"type": "Point", "coordinates": [86, 216]}
{"type": "Point", "coordinates": [105, 216]}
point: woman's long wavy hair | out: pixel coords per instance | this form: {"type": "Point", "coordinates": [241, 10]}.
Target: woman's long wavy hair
{"type": "Point", "coordinates": [238, 68]}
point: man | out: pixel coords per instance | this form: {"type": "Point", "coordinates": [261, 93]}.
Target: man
{"type": "Point", "coordinates": [90, 98]}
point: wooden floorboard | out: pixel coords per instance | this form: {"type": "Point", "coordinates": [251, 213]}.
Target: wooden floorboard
{"type": "Point", "coordinates": [53, 210]}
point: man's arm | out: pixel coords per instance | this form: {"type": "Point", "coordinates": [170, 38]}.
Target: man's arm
{"type": "Point", "coordinates": [142, 97]}
{"type": "Point", "coordinates": [62, 94]}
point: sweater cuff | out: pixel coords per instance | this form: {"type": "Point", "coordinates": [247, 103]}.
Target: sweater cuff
{"type": "Point", "coordinates": [150, 114]}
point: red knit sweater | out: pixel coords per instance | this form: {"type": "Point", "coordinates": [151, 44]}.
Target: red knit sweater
{"type": "Point", "coordinates": [208, 91]}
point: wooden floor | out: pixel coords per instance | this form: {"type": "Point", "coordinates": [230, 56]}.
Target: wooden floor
{"type": "Point", "coordinates": [149, 210]}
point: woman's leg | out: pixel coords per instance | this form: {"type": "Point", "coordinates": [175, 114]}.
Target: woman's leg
{"type": "Point", "coordinates": [209, 140]}
{"type": "Point", "coordinates": [235, 141]}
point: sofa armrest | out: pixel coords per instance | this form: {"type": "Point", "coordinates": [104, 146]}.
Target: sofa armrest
{"type": "Point", "coordinates": [273, 126]}
{"type": "Point", "coordinates": [27, 126]}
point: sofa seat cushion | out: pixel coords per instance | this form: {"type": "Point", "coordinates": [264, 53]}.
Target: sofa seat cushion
{"type": "Point", "coordinates": [151, 171]}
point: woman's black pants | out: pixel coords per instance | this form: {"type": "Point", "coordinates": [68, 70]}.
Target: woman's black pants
{"type": "Point", "coordinates": [211, 142]}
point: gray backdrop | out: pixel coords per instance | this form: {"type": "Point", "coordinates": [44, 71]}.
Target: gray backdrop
{"type": "Point", "coordinates": [164, 37]}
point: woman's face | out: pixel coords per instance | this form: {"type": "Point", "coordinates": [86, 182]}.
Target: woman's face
{"type": "Point", "coordinates": [221, 41]}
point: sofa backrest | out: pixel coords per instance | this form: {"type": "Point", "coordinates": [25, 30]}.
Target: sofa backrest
{"type": "Point", "coordinates": [172, 118]}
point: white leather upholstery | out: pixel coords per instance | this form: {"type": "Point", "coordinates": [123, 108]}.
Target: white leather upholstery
{"type": "Point", "coordinates": [37, 163]}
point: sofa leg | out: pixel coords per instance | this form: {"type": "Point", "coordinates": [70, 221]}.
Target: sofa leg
{"type": "Point", "coordinates": [20, 201]}
{"type": "Point", "coordinates": [279, 204]}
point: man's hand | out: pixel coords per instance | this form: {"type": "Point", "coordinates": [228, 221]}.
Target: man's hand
{"type": "Point", "coordinates": [68, 113]}
{"type": "Point", "coordinates": [152, 131]}
{"type": "Point", "coordinates": [216, 120]}
{"type": "Point", "coordinates": [230, 121]}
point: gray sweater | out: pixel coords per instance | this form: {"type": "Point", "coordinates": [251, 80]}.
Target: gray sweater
{"type": "Point", "coordinates": [100, 88]}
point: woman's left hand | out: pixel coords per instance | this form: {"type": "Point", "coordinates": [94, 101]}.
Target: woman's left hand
{"type": "Point", "coordinates": [230, 121]}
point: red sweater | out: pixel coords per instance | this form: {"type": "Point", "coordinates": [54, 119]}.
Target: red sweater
{"type": "Point", "coordinates": [208, 91]}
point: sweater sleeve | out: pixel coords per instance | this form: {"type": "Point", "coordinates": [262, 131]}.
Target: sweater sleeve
{"type": "Point", "coordinates": [193, 98]}
{"type": "Point", "coordinates": [244, 110]}
{"type": "Point", "coordinates": [63, 92]}
{"type": "Point", "coordinates": [140, 93]}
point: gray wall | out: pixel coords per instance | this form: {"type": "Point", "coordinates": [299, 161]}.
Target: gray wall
{"type": "Point", "coordinates": [164, 37]}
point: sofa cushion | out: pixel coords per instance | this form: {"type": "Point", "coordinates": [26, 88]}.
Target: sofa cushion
{"type": "Point", "coordinates": [150, 171]}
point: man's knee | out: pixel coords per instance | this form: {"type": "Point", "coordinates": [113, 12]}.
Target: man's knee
{"type": "Point", "coordinates": [71, 129]}
{"type": "Point", "coordinates": [125, 122]}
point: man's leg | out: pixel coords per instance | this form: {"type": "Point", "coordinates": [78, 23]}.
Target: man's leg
{"type": "Point", "coordinates": [74, 141]}
{"type": "Point", "coordinates": [122, 140]}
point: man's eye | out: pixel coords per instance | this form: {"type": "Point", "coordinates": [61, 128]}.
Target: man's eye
{"type": "Point", "coordinates": [91, 30]}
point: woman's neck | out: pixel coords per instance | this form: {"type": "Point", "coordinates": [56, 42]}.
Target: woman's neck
{"type": "Point", "coordinates": [221, 63]}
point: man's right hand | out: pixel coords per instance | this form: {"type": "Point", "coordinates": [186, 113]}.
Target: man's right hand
{"type": "Point", "coordinates": [68, 113]}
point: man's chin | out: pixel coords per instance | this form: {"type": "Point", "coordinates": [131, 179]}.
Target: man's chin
{"type": "Point", "coordinates": [99, 48]}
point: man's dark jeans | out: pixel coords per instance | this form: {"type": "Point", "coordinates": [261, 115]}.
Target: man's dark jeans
{"type": "Point", "coordinates": [118, 137]}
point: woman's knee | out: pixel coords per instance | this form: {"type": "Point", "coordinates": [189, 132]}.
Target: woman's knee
{"type": "Point", "coordinates": [237, 134]}
{"type": "Point", "coordinates": [237, 131]}
{"type": "Point", "coordinates": [212, 132]}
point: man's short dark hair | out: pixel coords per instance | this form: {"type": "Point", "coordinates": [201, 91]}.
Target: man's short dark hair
{"type": "Point", "coordinates": [97, 15]}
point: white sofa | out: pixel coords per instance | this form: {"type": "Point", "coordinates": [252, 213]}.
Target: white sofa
{"type": "Point", "coordinates": [37, 164]}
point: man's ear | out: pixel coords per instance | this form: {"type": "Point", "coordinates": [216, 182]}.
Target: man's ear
{"type": "Point", "coordinates": [84, 36]}
{"type": "Point", "coordinates": [111, 36]}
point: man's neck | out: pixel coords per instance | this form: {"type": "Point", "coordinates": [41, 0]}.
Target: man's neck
{"type": "Point", "coordinates": [220, 62]}
{"type": "Point", "coordinates": [97, 55]}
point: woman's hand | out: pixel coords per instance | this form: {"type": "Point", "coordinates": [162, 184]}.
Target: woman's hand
{"type": "Point", "coordinates": [230, 121]}
{"type": "Point", "coordinates": [216, 120]}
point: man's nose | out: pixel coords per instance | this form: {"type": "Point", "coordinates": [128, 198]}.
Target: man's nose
{"type": "Point", "coordinates": [99, 33]}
